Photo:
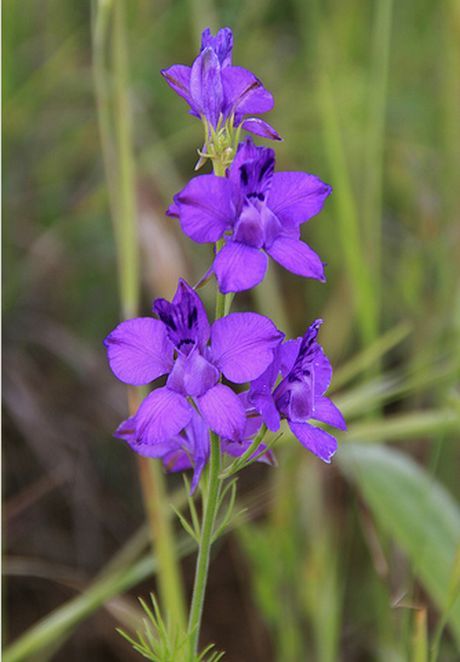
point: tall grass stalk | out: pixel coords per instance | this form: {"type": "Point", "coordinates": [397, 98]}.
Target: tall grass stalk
{"type": "Point", "coordinates": [347, 214]}
{"type": "Point", "coordinates": [115, 120]}
{"type": "Point", "coordinates": [374, 154]}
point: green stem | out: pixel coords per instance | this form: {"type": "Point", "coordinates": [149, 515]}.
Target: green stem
{"type": "Point", "coordinates": [129, 253]}
{"type": "Point", "coordinates": [219, 168]}
{"type": "Point", "coordinates": [211, 507]}
{"type": "Point", "coordinates": [239, 463]}
{"type": "Point", "coordinates": [220, 305]}
{"type": "Point", "coordinates": [210, 494]}
{"type": "Point", "coordinates": [204, 553]}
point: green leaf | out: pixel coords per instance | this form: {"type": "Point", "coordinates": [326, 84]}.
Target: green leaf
{"type": "Point", "coordinates": [416, 511]}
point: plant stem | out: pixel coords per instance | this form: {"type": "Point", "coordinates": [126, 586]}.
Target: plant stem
{"type": "Point", "coordinates": [211, 507]}
{"type": "Point", "coordinates": [248, 453]}
{"type": "Point", "coordinates": [128, 254]}
{"type": "Point", "coordinates": [207, 530]}
{"type": "Point", "coordinates": [115, 127]}
{"type": "Point", "coordinates": [210, 495]}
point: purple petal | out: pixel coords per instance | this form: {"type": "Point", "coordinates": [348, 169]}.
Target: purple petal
{"type": "Point", "coordinates": [127, 432]}
{"type": "Point", "coordinates": [127, 429]}
{"type": "Point", "coordinates": [265, 382]}
{"type": "Point", "coordinates": [173, 210]}
{"type": "Point", "coordinates": [323, 372]}
{"type": "Point", "coordinates": [242, 345]}
{"type": "Point", "coordinates": [187, 299]}
{"type": "Point", "coordinates": [248, 229]}
{"type": "Point", "coordinates": [317, 441]}
{"type": "Point", "coordinates": [253, 423]}
{"type": "Point", "coordinates": [162, 415]}
{"type": "Point", "coordinates": [223, 411]}
{"type": "Point", "coordinates": [192, 375]}
{"type": "Point", "coordinates": [252, 170]}
{"type": "Point", "coordinates": [297, 196]}
{"type": "Point", "coordinates": [247, 151]}
{"type": "Point", "coordinates": [197, 433]}
{"type": "Point", "coordinates": [184, 318]}
{"type": "Point", "coordinates": [272, 226]}
{"type": "Point", "coordinates": [178, 77]}
{"type": "Point", "coordinates": [206, 85]}
{"type": "Point", "coordinates": [297, 257]}
{"type": "Point", "coordinates": [265, 404]}
{"type": "Point", "coordinates": [260, 128]}
{"type": "Point", "coordinates": [326, 411]}
{"type": "Point", "coordinates": [244, 93]}
{"type": "Point", "coordinates": [206, 208]}
{"type": "Point", "coordinates": [139, 351]}
{"type": "Point", "coordinates": [294, 397]}
{"type": "Point", "coordinates": [288, 354]}
{"type": "Point", "coordinates": [177, 460]}
{"type": "Point", "coordinates": [221, 44]}
{"type": "Point", "coordinates": [197, 471]}
{"type": "Point", "coordinates": [239, 267]}
{"type": "Point", "coordinates": [260, 393]}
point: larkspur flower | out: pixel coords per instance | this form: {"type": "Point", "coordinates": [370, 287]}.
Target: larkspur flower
{"type": "Point", "coordinates": [217, 91]}
{"type": "Point", "coordinates": [257, 212]}
{"type": "Point", "coordinates": [299, 397]}
{"type": "Point", "coordinates": [194, 355]}
{"type": "Point", "coordinates": [190, 448]}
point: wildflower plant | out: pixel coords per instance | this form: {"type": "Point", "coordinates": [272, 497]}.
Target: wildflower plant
{"type": "Point", "coordinates": [220, 390]}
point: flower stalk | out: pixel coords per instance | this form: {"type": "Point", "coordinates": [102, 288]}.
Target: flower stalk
{"type": "Point", "coordinates": [211, 495]}
{"type": "Point", "coordinates": [204, 552]}
{"type": "Point", "coordinates": [248, 212]}
{"type": "Point", "coordinates": [211, 507]}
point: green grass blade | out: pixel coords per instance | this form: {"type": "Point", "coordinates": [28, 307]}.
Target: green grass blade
{"type": "Point", "coordinates": [400, 427]}
{"type": "Point", "coordinates": [371, 355]}
{"type": "Point", "coordinates": [63, 620]}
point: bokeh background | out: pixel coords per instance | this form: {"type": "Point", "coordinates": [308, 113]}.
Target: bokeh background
{"type": "Point", "coordinates": [354, 562]}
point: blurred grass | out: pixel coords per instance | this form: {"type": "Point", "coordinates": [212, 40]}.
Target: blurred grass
{"type": "Point", "coordinates": [367, 97]}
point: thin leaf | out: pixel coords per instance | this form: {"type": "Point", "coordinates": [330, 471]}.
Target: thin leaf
{"type": "Point", "coordinates": [415, 510]}
{"type": "Point", "coordinates": [187, 527]}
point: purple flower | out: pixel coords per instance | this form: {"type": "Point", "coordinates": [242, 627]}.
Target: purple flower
{"type": "Point", "coordinates": [190, 448]}
{"type": "Point", "coordinates": [257, 212]}
{"type": "Point", "coordinates": [182, 345]}
{"type": "Point", "coordinates": [216, 90]}
{"type": "Point", "coordinates": [299, 397]}
{"type": "Point", "coordinates": [187, 450]}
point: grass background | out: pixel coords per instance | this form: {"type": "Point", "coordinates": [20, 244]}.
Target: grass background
{"type": "Point", "coordinates": [350, 562]}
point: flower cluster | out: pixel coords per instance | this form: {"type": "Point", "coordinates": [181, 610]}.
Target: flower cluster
{"type": "Point", "coordinates": [216, 91]}
{"type": "Point", "coordinates": [248, 212]}
{"type": "Point", "coordinates": [254, 212]}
